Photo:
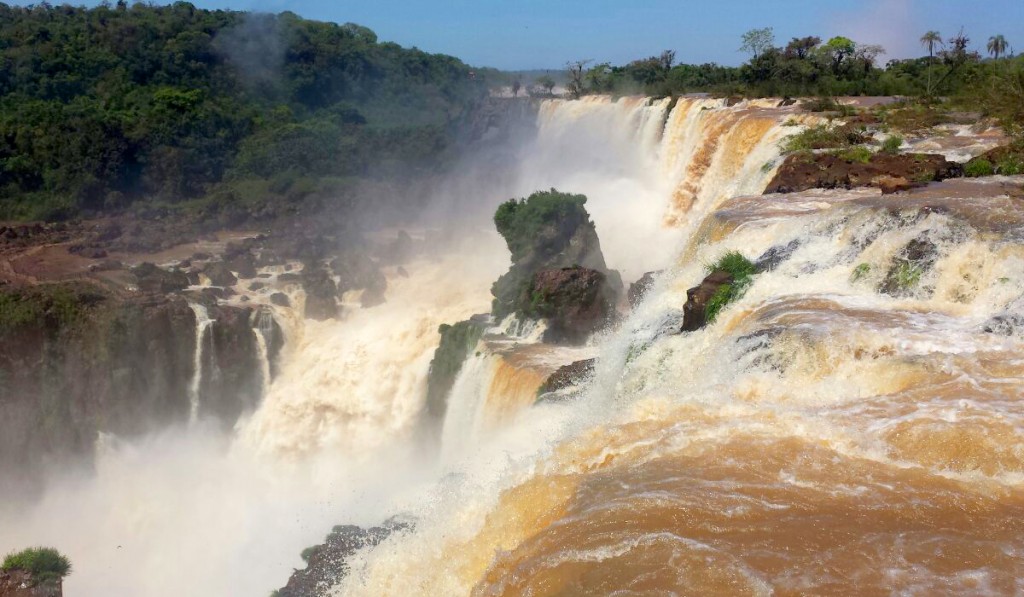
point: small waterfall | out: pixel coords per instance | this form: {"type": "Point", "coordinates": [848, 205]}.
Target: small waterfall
{"type": "Point", "coordinates": [263, 331]}
{"type": "Point", "coordinates": [203, 323]}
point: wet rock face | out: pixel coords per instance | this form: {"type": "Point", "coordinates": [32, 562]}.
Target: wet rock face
{"type": "Point", "coordinates": [19, 583]}
{"type": "Point", "coordinates": [908, 266]}
{"type": "Point", "coordinates": [546, 231]}
{"type": "Point", "coordinates": [89, 362]}
{"type": "Point", "coordinates": [327, 563]}
{"type": "Point", "coordinates": [698, 297]}
{"type": "Point", "coordinates": [230, 381]}
{"type": "Point", "coordinates": [456, 343]}
{"type": "Point", "coordinates": [638, 289]}
{"type": "Point", "coordinates": [575, 302]}
{"type": "Point", "coordinates": [321, 294]}
{"type": "Point", "coordinates": [556, 387]}
{"type": "Point", "coordinates": [889, 172]}
{"type": "Point", "coordinates": [152, 279]}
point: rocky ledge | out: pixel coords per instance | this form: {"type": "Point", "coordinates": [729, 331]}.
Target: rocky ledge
{"type": "Point", "coordinates": [889, 172]}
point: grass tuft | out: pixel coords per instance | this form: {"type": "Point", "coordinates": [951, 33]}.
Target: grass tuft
{"type": "Point", "coordinates": [43, 563]}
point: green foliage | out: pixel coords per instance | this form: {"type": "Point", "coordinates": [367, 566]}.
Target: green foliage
{"type": "Point", "coordinates": [892, 144]}
{"type": "Point", "coordinates": [102, 107]}
{"type": "Point", "coordinates": [308, 553]}
{"type": "Point", "coordinates": [522, 222]}
{"type": "Point", "coordinates": [56, 306]}
{"type": "Point", "coordinates": [822, 136]}
{"type": "Point", "coordinates": [979, 167]}
{"type": "Point", "coordinates": [742, 271]}
{"type": "Point", "coordinates": [860, 271]}
{"type": "Point", "coordinates": [906, 275]}
{"type": "Point", "coordinates": [43, 563]}
{"type": "Point", "coordinates": [1010, 165]}
{"type": "Point", "coordinates": [457, 341]}
{"type": "Point", "coordinates": [858, 153]}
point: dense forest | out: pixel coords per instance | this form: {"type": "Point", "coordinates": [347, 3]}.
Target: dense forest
{"type": "Point", "coordinates": [952, 72]}
{"type": "Point", "coordinates": [120, 107]}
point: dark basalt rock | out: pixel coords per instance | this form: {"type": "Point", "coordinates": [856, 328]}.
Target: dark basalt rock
{"type": "Point", "coordinates": [575, 302]}
{"type": "Point", "coordinates": [152, 279]}
{"type": "Point", "coordinates": [830, 171]}
{"type": "Point", "coordinates": [638, 289]}
{"type": "Point", "coordinates": [564, 378]}
{"type": "Point", "coordinates": [775, 256]}
{"type": "Point", "coordinates": [1004, 325]}
{"type": "Point", "coordinates": [546, 231]}
{"type": "Point", "coordinates": [280, 299]}
{"type": "Point", "coordinates": [21, 583]}
{"type": "Point", "coordinates": [455, 345]}
{"type": "Point", "coordinates": [321, 294]}
{"type": "Point", "coordinates": [697, 299]}
{"type": "Point", "coordinates": [327, 563]}
{"type": "Point", "coordinates": [917, 257]}
{"type": "Point", "coordinates": [220, 274]}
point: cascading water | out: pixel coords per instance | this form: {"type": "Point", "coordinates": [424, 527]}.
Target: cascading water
{"type": "Point", "coordinates": [820, 436]}
{"type": "Point", "coordinates": [851, 425]}
{"type": "Point", "coordinates": [203, 323]}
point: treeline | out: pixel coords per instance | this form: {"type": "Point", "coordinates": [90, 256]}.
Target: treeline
{"type": "Point", "coordinates": [810, 66]}
{"type": "Point", "coordinates": [118, 105]}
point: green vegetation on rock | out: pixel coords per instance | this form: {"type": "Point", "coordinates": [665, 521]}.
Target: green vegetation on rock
{"type": "Point", "coordinates": [742, 271]}
{"type": "Point", "coordinates": [979, 167]}
{"type": "Point", "coordinates": [43, 563]}
{"type": "Point", "coordinates": [456, 343]}
{"type": "Point", "coordinates": [892, 144]}
{"type": "Point", "coordinates": [526, 223]}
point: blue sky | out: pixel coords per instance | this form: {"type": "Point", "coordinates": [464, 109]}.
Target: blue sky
{"type": "Point", "coordinates": [520, 34]}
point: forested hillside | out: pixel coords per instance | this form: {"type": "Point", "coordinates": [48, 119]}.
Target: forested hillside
{"type": "Point", "coordinates": [118, 106]}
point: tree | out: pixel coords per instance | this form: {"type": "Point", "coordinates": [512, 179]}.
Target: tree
{"type": "Point", "coordinates": [575, 86]}
{"type": "Point", "coordinates": [930, 40]}
{"type": "Point", "coordinates": [997, 46]}
{"type": "Point", "coordinates": [800, 47]}
{"type": "Point", "coordinates": [668, 57]}
{"type": "Point", "coordinates": [546, 83]}
{"type": "Point", "coordinates": [757, 41]}
{"type": "Point", "coordinates": [517, 84]}
{"type": "Point", "coordinates": [839, 48]}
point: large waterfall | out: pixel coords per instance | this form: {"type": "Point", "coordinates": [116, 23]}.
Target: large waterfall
{"type": "Point", "coordinates": [821, 436]}
{"type": "Point", "coordinates": [832, 432]}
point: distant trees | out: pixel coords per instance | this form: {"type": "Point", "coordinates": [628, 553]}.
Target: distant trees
{"type": "Point", "coordinates": [546, 83]}
{"type": "Point", "coordinates": [106, 106]}
{"type": "Point", "coordinates": [758, 41]}
{"type": "Point", "coordinates": [931, 40]}
{"type": "Point", "coordinates": [575, 86]}
{"type": "Point", "coordinates": [997, 46]}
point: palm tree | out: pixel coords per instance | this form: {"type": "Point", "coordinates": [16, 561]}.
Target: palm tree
{"type": "Point", "coordinates": [997, 46]}
{"type": "Point", "coordinates": [930, 40]}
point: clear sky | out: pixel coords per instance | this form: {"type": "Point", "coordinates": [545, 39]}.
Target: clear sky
{"type": "Point", "coordinates": [523, 34]}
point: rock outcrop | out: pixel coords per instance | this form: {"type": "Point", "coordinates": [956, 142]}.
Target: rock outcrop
{"type": "Point", "coordinates": [699, 297]}
{"type": "Point", "coordinates": [327, 563]}
{"type": "Point", "coordinates": [575, 302]}
{"type": "Point", "coordinates": [890, 172]}
{"type": "Point", "coordinates": [639, 289]}
{"type": "Point", "coordinates": [558, 386]}
{"type": "Point", "coordinates": [19, 583]}
{"type": "Point", "coordinates": [456, 343]}
{"type": "Point", "coordinates": [546, 231]}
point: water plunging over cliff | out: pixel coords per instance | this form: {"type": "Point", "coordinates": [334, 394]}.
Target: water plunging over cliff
{"type": "Point", "coordinates": [203, 322]}
{"type": "Point", "coordinates": [851, 425]}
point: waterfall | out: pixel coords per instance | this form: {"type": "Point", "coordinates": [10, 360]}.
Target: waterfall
{"type": "Point", "coordinates": [203, 323]}
{"type": "Point", "coordinates": [851, 424]}
{"type": "Point", "coordinates": [262, 331]}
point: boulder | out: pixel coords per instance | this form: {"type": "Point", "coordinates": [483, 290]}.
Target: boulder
{"type": "Point", "coordinates": [20, 583]}
{"type": "Point", "coordinates": [546, 231]}
{"type": "Point", "coordinates": [555, 387]}
{"type": "Point", "coordinates": [638, 289]}
{"type": "Point", "coordinates": [280, 299]}
{"type": "Point", "coordinates": [152, 279]}
{"type": "Point", "coordinates": [913, 260]}
{"type": "Point", "coordinates": [575, 302]}
{"type": "Point", "coordinates": [326, 564]}
{"type": "Point", "coordinates": [775, 256]}
{"type": "Point", "coordinates": [698, 297]}
{"type": "Point", "coordinates": [802, 171]}
{"type": "Point", "coordinates": [219, 274]}
{"type": "Point", "coordinates": [321, 294]}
